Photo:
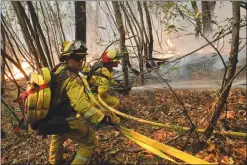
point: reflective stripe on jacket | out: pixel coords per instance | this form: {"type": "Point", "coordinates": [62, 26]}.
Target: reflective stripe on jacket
{"type": "Point", "coordinates": [72, 89]}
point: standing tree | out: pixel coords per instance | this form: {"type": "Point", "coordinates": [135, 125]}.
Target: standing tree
{"type": "Point", "coordinates": [39, 32]}
{"type": "Point", "coordinates": [23, 20]}
{"type": "Point", "coordinates": [80, 20]}
{"type": "Point", "coordinates": [197, 17]}
{"type": "Point", "coordinates": [233, 60]}
{"type": "Point", "coordinates": [123, 49]}
{"type": "Point", "coordinates": [207, 14]}
{"type": "Point", "coordinates": [150, 32]}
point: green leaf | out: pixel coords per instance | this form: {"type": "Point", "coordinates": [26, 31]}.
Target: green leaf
{"type": "Point", "coordinates": [197, 15]}
{"type": "Point", "coordinates": [155, 127]}
{"type": "Point", "coordinates": [171, 26]}
{"type": "Point", "coordinates": [174, 68]}
{"type": "Point", "coordinates": [169, 5]}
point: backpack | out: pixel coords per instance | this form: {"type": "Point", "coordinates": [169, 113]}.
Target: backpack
{"type": "Point", "coordinates": [36, 100]}
{"type": "Point", "coordinates": [92, 72]}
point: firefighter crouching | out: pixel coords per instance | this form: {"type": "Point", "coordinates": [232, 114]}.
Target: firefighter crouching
{"type": "Point", "coordinates": [68, 99]}
{"type": "Point", "coordinates": [101, 81]}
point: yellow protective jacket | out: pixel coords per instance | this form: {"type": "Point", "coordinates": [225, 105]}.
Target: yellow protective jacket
{"type": "Point", "coordinates": [102, 83]}
{"type": "Point", "coordinates": [69, 97]}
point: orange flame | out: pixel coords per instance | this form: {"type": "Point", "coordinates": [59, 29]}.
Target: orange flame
{"type": "Point", "coordinates": [16, 72]}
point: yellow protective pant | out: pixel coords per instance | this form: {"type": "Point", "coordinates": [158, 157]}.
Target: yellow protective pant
{"type": "Point", "coordinates": [112, 101]}
{"type": "Point", "coordinates": [81, 134]}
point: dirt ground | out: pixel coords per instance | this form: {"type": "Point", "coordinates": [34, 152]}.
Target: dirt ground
{"type": "Point", "coordinates": [160, 106]}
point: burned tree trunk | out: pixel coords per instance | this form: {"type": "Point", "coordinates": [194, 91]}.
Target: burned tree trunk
{"type": "Point", "coordinates": [233, 60]}
{"type": "Point", "coordinates": [80, 20]}
{"type": "Point", "coordinates": [123, 49]}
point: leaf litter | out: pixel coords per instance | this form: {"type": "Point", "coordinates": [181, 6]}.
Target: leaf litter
{"type": "Point", "coordinates": [160, 106]}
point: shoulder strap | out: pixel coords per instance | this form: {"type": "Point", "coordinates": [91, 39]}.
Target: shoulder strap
{"type": "Point", "coordinates": [95, 67]}
{"type": "Point", "coordinates": [93, 72]}
{"type": "Point", "coordinates": [59, 75]}
{"type": "Point", "coordinates": [100, 74]}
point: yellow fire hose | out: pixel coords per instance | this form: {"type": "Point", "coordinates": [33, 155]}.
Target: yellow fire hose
{"type": "Point", "coordinates": [90, 94]}
{"type": "Point", "coordinates": [179, 128]}
{"type": "Point", "coordinates": [148, 147]}
{"type": "Point", "coordinates": [158, 148]}
{"type": "Point", "coordinates": [149, 144]}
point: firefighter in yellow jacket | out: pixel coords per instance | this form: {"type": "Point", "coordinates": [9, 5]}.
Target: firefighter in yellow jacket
{"type": "Point", "coordinates": [101, 83]}
{"type": "Point", "coordinates": [69, 98]}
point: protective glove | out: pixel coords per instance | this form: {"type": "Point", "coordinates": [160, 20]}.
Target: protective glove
{"type": "Point", "coordinates": [110, 120]}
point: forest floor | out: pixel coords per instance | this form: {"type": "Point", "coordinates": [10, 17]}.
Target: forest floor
{"type": "Point", "coordinates": [159, 106]}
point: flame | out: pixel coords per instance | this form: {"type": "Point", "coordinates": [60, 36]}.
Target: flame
{"type": "Point", "coordinates": [16, 72]}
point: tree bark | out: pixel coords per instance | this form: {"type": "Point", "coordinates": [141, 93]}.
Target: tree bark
{"type": "Point", "coordinates": [20, 12]}
{"type": "Point", "coordinates": [15, 38]}
{"type": "Point", "coordinates": [29, 58]}
{"type": "Point", "coordinates": [136, 41]}
{"type": "Point", "coordinates": [233, 60]}
{"type": "Point", "coordinates": [123, 49]}
{"type": "Point", "coordinates": [60, 22]}
{"type": "Point", "coordinates": [150, 32]}
{"type": "Point", "coordinates": [12, 50]}
{"type": "Point", "coordinates": [144, 43]}
{"type": "Point", "coordinates": [54, 28]}
{"type": "Point", "coordinates": [38, 30]}
{"type": "Point", "coordinates": [15, 63]}
{"type": "Point", "coordinates": [2, 76]}
{"type": "Point", "coordinates": [135, 23]}
{"type": "Point", "coordinates": [206, 17]}
{"type": "Point", "coordinates": [2, 65]}
{"type": "Point", "coordinates": [197, 19]}
{"type": "Point", "coordinates": [80, 20]}
{"type": "Point", "coordinates": [47, 32]}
